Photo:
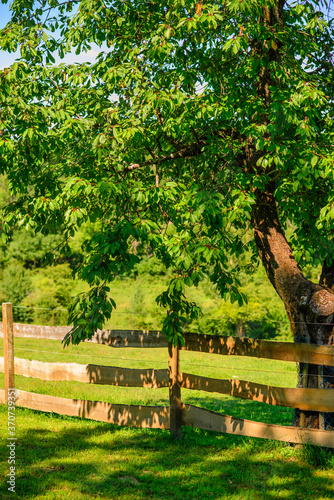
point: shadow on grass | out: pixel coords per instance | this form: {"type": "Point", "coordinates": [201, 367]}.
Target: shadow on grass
{"type": "Point", "coordinates": [241, 408]}
{"type": "Point", "coordinates": [81, 459]}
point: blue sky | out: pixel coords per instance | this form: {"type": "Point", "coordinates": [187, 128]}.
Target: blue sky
{"type": "Point", "coordinates": [7, 59]}
{"type": "Point", "coordinates": [4, 15]}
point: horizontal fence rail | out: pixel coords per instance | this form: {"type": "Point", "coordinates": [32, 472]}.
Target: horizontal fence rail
{"type": "Point", "coordinates": [283, 351]}
{"type": "Point", "coordinates": [177, 414]}
{"type": "Point", "coordinates": [304, 399]}
{"type": "Point", "coordinates": [113, 338]}
{"type": "Point", "coordinates": [201, 418]}
{"type": "Point", "coordinates": [214, 344]}
{"type": "Point", "coordinates": [153, 417]}
{"type": "Point", "coordinates": [91, 374]}
{"type": "Point", "coordinates": [157, 417]}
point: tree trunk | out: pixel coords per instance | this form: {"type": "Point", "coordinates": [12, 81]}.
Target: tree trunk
{"type": "Point", "coordinates": [309, 306]}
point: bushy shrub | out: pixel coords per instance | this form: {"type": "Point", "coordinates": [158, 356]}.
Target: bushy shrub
{"type": "Point", "coordinates": [151, 267]}
{"type": "Point", "coordinates": [50, 295]}
{"type": "Point", "coordinates": [263, 317]}
{"type": "Point", "coordinates": [15, 285]}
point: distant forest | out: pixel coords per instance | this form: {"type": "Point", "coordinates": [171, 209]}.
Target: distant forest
{"type": "Point", "coordinates": [41, 290]}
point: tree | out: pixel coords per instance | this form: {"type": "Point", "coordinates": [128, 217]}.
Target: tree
{"type": "Point", "coordinates": [203, 130]}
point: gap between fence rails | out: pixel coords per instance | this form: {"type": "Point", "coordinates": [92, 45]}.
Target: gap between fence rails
{"type": "Point", "coordinates": [180, 414]}
{"type": "Point", "coordinates": [161, 362]}
{"type": "Point", "coordinates": [210, 344]}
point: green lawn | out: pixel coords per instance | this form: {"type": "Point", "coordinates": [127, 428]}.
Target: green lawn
{"type": "Point", "coordinates": [59, 456]}
{"type": "Point", "coordinates": [252, 369]}
{"type": "Point", "coordinates": [74, 458]}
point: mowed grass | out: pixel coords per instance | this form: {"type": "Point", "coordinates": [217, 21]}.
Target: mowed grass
{"type": "Point", "coordinates": [67, 457]}
{"type": "Point", "coordinates": [59, 456]}
{"type": "Point", "coordinates": [225, 367]}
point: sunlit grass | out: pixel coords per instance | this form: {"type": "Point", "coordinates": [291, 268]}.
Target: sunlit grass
{"type": "Point", "coordinates": [67, 457]}
{"type": "Point", "coordinates": [59, 456]}
{"type": "Point", "coordinates": [225, 367]}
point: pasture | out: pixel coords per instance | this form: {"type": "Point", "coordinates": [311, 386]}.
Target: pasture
{"type": "Point", "coordinates": [59, 456]}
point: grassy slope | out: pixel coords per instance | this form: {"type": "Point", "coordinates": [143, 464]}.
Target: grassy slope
{"type": "Point", "coordinates": [264, 316]}
{"type": "Point", "coordinates": [136, 305]}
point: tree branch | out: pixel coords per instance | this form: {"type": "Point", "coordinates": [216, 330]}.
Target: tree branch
{"type": "Point", "coordinates": [186, 151]}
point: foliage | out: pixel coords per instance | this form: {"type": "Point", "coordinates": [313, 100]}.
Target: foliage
{"type": "Point", "coordinates": [40, 296]}
{"type": "Point", "coordinates": [31, 248]}
{"type": "Point", "coordinates": [262, 317]}
{"type": "Point", "coordinates": [37, 291]}
{"type": "Point", "coordinates": [151, 141]}
{"type": "Point", "coordinates": [51, 291]}
{"type": "Point", "coordinates": [152, 268]}
{"type": "Point", "coordinates": [14, 287]}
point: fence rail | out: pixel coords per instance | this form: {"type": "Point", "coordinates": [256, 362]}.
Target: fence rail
{"type": "Point", "coordinates": [113, 338]}
{"type": "Point", "coordinates": [90, 374]}
{"type": "Point", "coordinates": [155, 417]}
{"type": "Point", "coordinates": [283, 351]}
{"type": "Point", "coordinates": [158, 417]}
{"type": "Point", "coordinates": [304, 399]}
{"type": "Point", "coordinates": [213, 344]}
{"type": "Point", "coordinates": [177, 414]}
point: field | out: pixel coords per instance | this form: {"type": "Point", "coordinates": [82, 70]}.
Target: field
{"type": "Point", "coordinates": [61, 456]}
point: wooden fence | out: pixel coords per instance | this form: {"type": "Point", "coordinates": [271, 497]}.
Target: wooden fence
{"type": "Point", "coordinates": [177, 414]}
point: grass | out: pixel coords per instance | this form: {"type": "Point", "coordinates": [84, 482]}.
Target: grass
{"type": "Point", "coordinates": [67, 457]}
{"type": "Point", "coordinates": [59, 456]}
{"type": "Point", "coordinates": [255, 370]}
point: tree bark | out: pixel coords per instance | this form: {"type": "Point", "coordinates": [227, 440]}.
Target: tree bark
{"type": "Point", "coordinates": [327, 275]}
{"type": "Point", "coordinates": [309, 306]}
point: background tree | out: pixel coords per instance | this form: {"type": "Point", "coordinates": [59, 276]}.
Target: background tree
{"type": "Point", "coordinates": [203, 130]}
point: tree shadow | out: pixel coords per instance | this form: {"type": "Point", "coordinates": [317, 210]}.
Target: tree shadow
{"type": "Point", "coordinates": [241, 408]}
{"type": "Point", "coordinates": [104, 460]}
{"type": "Point", "coordinates": [277, 396]}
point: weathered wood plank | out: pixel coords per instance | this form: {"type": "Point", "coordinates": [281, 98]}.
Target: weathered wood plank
{"type": "Point", "coordinates": [38, 331]}
{"type": "Point", "coordinates": [91, 374]}
{"type": "Point", "coordinates": [131, 338]}
{"type": "Point", "coordinates": [113, 338]}
{"type": "Point", "coordinates": [236, 346]}
{"type": "Point", "coordinates": [193, 416]}
{"type": "Point", "coordinates": [153, 417]}
{"type": "Point", "coordinates": [304, 399]}
{"type": "Point", "coordinates": [215, 344]}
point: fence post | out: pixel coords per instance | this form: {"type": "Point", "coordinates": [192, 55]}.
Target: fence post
{"type": "Point", "coordinates": [175, 406]}
{"type": "Point", "coordinates": [321, 386]}
{"type": "Point", "coordinates": [304, 384]}
{"type": "Point", "coordinates": [8, 347]}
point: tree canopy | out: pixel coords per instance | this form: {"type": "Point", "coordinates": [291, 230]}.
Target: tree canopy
{"type": "Point", "coordinates": [203, 130]}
